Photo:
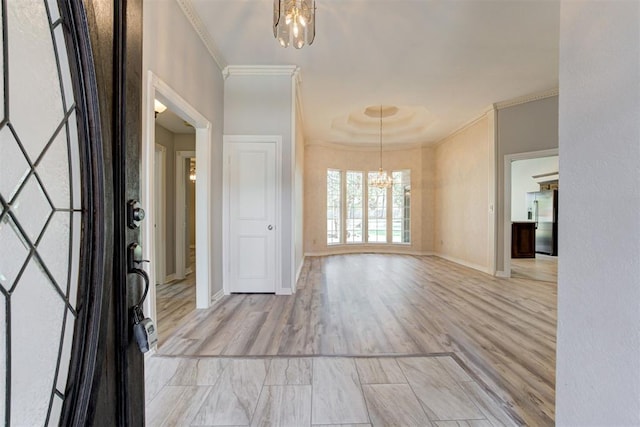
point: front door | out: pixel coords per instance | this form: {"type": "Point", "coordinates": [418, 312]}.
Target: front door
{"type": "Point", "coordinates": [69, 143]}
{"type": "Point", "coordinates": [252, 216]}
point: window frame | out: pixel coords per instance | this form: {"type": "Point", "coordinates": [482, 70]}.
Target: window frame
{"type": "Point", "coordinates": [342, 235]}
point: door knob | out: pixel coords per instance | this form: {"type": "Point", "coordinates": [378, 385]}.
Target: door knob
{"type": "Point", "coordinates": [270, 227]}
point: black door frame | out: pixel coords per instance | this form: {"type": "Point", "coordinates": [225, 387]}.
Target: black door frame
{"type": "Point", "coordinates": [106, 383]}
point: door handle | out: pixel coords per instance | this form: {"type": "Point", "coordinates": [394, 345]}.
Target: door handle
{"type": "Point", "coordinates": [144, 330]}
{"type": "Point", "coordinates": [270, 227]}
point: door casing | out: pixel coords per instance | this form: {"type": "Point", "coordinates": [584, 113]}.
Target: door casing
{"type": "Point", "coordinates": [155, 87]}
{"type": "Point", "coordinates": [508, 159]}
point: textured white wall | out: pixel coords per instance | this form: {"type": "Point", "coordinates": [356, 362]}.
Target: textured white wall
{"type": "Point", "coordinates": [175, 53]}
{"type": "Point", "coordinates": [598, 355]}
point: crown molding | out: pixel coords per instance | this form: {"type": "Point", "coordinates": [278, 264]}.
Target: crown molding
{"type": "Point", "coordinates": [349, 146]}
{"type": "Point", "coordinates": [198, 26]}
{"type": "Point", "coordinates": [527, 98]}
{"type": "Point", "coordinates": [464, 127]}
{"type": "Point", "coordinates": [262, 70]}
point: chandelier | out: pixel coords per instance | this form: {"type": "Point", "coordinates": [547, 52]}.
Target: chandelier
{"type": "Point", "coordinates": [381, 179]}
{"type": "Point", "coordinates": [294, 21]}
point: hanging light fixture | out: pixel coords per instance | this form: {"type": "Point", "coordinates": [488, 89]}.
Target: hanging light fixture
{"type": "Point", "coordinates": [158, 107]}
{"type": "Point", "coordinates": [294, 21]}
{"type": "Point", "coordinates": [381, 179]}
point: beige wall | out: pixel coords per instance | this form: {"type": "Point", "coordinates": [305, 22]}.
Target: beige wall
{"type": "Point", "coordinates": [428, 198]}
{"type": "Point", "coordinates": [319, 158]}
{"type": "Point", "coordinates": [298, 199]}
{"type": "Point", "coordinates": [461, 196]}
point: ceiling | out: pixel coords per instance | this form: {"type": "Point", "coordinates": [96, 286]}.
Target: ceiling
{"type": "Point", "coordinates": [442, 63]}
{"type": "Point", "coordinates": [170, 121]}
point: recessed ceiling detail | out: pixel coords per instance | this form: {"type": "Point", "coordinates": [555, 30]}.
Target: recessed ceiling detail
{"type": "Point", "coordinates": [400, 124]}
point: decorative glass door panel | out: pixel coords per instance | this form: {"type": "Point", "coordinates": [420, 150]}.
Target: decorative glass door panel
{"type": "Point", "coordinates": [43, 213]}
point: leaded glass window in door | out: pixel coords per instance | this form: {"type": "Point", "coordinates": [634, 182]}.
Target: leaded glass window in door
{"type": "Point", "coordinates": [41, 213]}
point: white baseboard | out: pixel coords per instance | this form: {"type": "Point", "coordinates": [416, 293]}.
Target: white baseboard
{"type": "Point", "coordinates": [284, 291]}
{"type": "Point", "coordinates": [478, 267]}
{"type": "Point", "coordinates": [502, 274]}
{"type": "Point", "coordinates": [398, 251]}
{"type": "Point", "coordinates": [343, 250]}
{"type": "Point", "coordinates": [169, 278]}
{"type": "Point", "coordinates": [188, 270]}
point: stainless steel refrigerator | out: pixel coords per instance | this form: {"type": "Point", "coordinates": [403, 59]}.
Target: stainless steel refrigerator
{"type": "Point", "coordinates": [543, 209]}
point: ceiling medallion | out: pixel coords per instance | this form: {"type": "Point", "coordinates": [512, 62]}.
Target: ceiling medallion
{"type": "Point", "coordinates": [294, 21]}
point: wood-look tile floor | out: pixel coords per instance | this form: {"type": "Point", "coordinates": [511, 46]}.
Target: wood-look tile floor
{"type": "Point", "coordinates": [502, 330]}
{"type": "Point", "coordinates": [316, 391]}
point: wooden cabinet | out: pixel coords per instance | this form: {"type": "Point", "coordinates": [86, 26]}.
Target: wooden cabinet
{"type": "Point", "coordinates": [523, 240]}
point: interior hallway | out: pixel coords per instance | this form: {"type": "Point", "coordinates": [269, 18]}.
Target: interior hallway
{"type": "Point", "coordinates": [502, 330]}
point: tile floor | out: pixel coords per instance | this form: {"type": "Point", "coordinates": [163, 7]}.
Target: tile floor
{"type": "Point", "coordinates": [316, 391]}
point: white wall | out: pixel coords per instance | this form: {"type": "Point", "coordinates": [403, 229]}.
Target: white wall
{"type": "Point", "coordinates": [522, 182]}
{"type": "Point", "coordinates": [598, 353]}
{"type": "Point", "coordinates": [262, 105]}
{"type": "Point", "coordinates": [173, 51]}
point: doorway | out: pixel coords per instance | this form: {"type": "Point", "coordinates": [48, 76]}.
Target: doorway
{"type": "Point", "coordinates": [174, 213]}
{"type": "Point", "coordinates": [186, 117]}
{"type": "Point", "coordinates": [531, 227]}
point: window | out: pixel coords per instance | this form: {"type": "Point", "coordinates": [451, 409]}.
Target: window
{"type": "Point", "coordinates": [334, 216]}
{"type": "Point", "coordinates": [355, 198]}
{"type": "Point", "coordinates": [401, 207]}
{"type": "Point", "coordinates": [387, 217]}
{"type": "Point", "coordinates": [377, 213]}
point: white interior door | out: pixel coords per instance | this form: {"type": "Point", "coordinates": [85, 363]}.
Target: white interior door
{"type": "Point", "coordinates": [252, 215]}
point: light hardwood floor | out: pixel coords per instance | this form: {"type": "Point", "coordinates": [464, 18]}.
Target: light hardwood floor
{"type": "Point", "coordinates": [174, 301]}
{"type": "Point", "coordinates": [542, 267]}
{"type": "Point", "coordinates": [502, 330]}
{"type": "Point", "coordinates": [305, 391]}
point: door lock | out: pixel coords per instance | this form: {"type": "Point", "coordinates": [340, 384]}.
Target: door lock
{"type": "Point", "coordinates": [270, 227]}
{"type": "Point", "coordinates": [135, 214]}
